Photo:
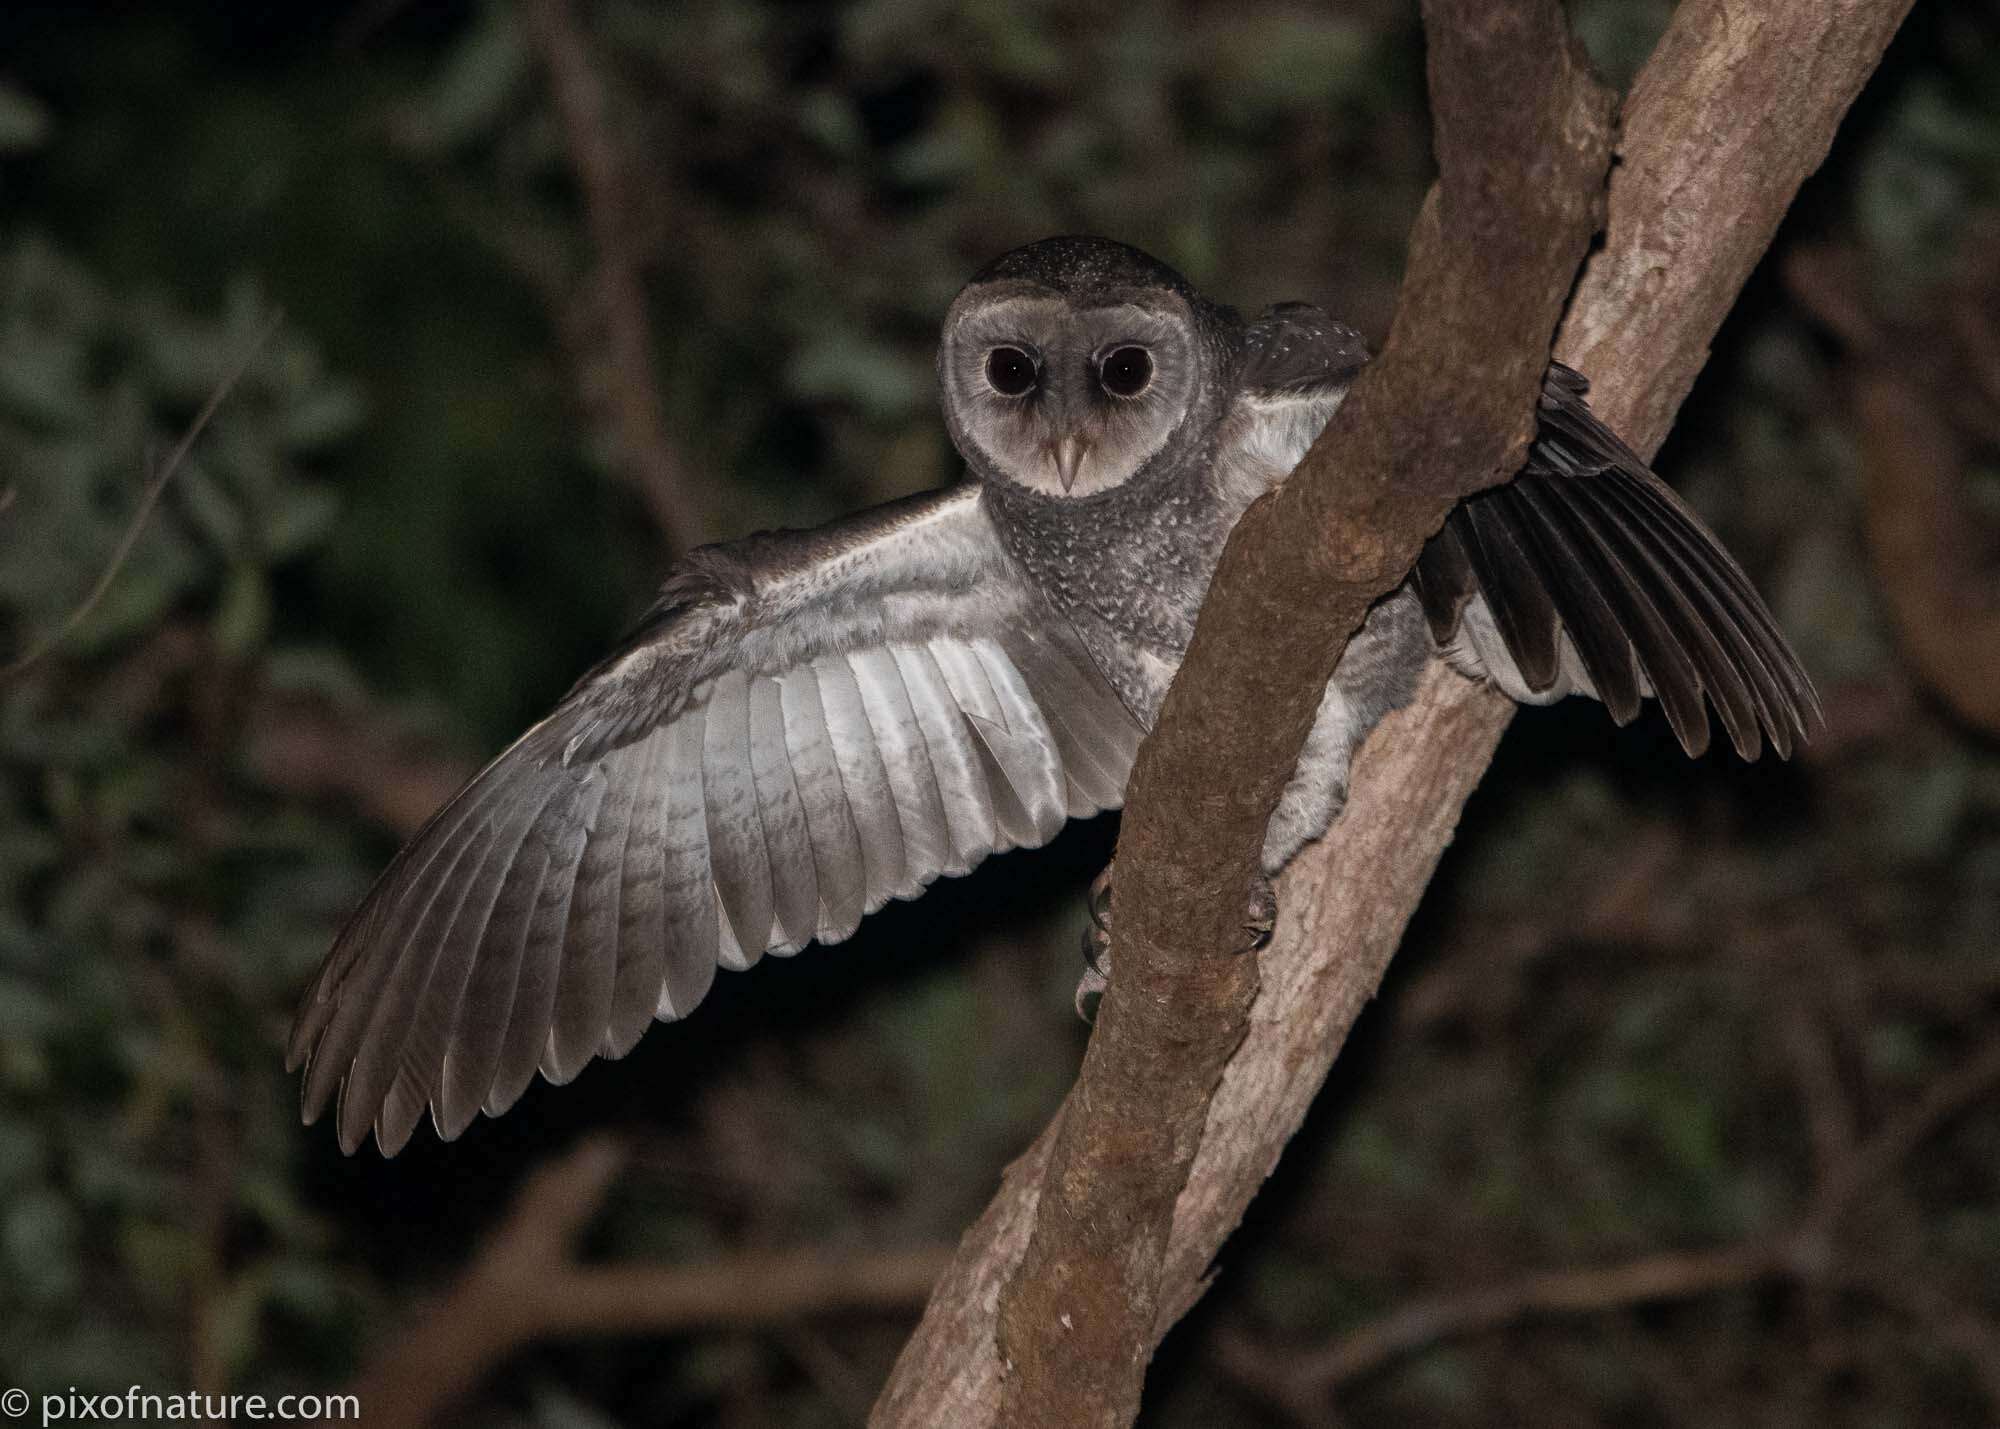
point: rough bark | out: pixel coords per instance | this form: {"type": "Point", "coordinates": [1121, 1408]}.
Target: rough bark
{"type": "Point", "coordinates": [1736, 108]}
{"type": "Point", "coordinates": [1523, 140]}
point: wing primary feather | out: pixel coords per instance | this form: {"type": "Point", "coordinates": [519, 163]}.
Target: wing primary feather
{"type": "Point", "coordinates": [434, 1020]}
{"type": "Point", "coordinates": [961, 777]}
{"type": "Point", "coordinates": [528, 1017]}
{"type": "Point", "coordinates": [738, 846]}
{"type": "Point", "coordinates": [336, 1011]}
{"type": "Point", "coordinates": [836, 844]}
{"type": "Point", "coordinates": [1661, 523]}
{"type": "Point", "coordinates": [693, 918]}
{"type": "Point", "coordinates": [1675, 675]}
{"type": "Point", "coordinates": [1691, 632]}
{"type": "Point", "coordinates": [1592, 604]}
{"type": "Point", "coordinates": [642, 913]}
{"type": "Point", "coordinates": [1099, 737]}
{"type": "Point", "coordinates": [643, 893]}
{"type": "Point", "coordinates": [1720, 615]}
{"type": "Point", "coordinates": [367, 1081]}
{"type": "Point", "coordinates": [864, 779]}
{"type": "Point", "coordinates": [907, 763]}
{"type": "Point", "coordinates": [588, 967]}
{"type": "Point", "coordinates": [1774, 671]}
{"type": "Point", "coordinates": [1035, 767]}
{"type": "Point", "coordinates": [986, 722]}
{"type": "Point", "coordinates": [1445, 580]}
{"type": "Point", "coordinates": [374, 999]}
{"type": "Point", "coordinates": [466, 1072]}
{"type": "Point", "coordinates": [1523, 610]}
{"type": "Point", "coordinates": [794, 884]}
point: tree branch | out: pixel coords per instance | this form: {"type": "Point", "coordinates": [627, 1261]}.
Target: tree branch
{"type": "Point", "coordinates": [1523, 139]}
{"type": "Point", "coordinates": [1302, 1380]}
{"type": "Point", "coordinates": [525, 1285]}
{"type": "Point", "coordinates": [1924, 386]}
{"type": "Point", "coordinates": [1771, 80]}
{"type": "Point", "coordinates": [157, 482]}
{"type": "Point", "coordinates": [624, 386]}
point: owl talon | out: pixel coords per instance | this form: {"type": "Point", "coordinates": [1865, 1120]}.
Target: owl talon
{"type": "Point", "coordinates": [1260, 917]}
{"type": "Point", "coordinates": [1090, 993]}
{"type": "Point", "coordinates": [1097, 937]}
{"type": "Point", "coordinates": [1096, 947]}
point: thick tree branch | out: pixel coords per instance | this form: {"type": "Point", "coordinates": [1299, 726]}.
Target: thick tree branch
{"type": "Point", "coordinates": [1523, 140]}
{"type": "Point", "coordinates": [1768, 79]}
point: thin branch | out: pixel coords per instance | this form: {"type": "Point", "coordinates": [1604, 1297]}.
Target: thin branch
{"type": "Point", "coordinates": [1301, 1380]}
{"type": "Point", "coordinates": [626, 379]}
{"type": "Point", "coordinates": [1946, 1099]}
{"type": "Point", "coordinates": [524, 1285]}
{"type": "Point", "coordinates": [155, 488]}
{"type": "Point", "coordinates": [1738, 105]}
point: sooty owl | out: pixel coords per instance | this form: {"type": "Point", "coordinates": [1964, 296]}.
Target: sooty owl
{"type": "Point", "coordinates": [809, 723]}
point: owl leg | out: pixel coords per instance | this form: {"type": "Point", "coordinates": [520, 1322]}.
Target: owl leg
{"type": "Point", "coordinates": [1377, 673]}
{"type": "Point", "coordinates": [1260, 916]}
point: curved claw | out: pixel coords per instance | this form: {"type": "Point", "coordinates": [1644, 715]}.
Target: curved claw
{"type": "Point", "coordinates": [1089, 993]}
{"type": "Point", "coordinates": [1262, 914]}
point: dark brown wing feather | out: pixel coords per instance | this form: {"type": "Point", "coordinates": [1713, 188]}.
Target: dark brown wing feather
{"type": "Point", "coordinates": [1588, 545]}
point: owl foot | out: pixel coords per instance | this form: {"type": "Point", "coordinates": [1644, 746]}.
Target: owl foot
{"type": "Point", "coordinates": [1260, 917]}
{"type": "Point", "coordinates": [1096, 948]}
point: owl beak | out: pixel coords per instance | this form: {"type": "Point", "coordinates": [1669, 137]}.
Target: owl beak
{"type": "Point", "coordinates": [1066, 455]}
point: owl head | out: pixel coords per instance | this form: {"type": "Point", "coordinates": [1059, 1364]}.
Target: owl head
{"type": "Point", "coordinates": [1075, 365]}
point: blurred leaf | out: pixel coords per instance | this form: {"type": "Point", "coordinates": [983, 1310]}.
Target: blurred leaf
{"type": "Point", "coordinates": [1268, 63]}
{"type": "Point", "coordinates": [880, 381]}
{"type": "Point", "coordinates": [25, 124]}
{"type": "Point", "coordinates": [38, 1233]}
{"type": "Point", "coordinates": [299, 520]}
{"type": "Point", "coordinates": [243, 619]}
{"type": "Point", "coordinates": [486, 71]}
{"type": "Point", "coordinates": [325, 414]}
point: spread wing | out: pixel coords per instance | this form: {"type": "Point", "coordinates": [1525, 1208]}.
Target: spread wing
{"type": "Point", "coordinates": [1586, 574]}
{"type": "Point", "coordinates": [807, 725]}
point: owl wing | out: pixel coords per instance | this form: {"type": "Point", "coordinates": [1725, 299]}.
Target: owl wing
{"type": "Point", "coordinates": [1585, 574]}
{"type": "Point", "coordinates": [806, 725]}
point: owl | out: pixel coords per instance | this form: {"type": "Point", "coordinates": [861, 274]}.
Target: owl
{"type": "Point", "coordinates": [807, 724]}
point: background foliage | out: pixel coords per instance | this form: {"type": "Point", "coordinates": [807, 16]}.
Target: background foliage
{"type": "Point", "coordinates": [1649, 1008]}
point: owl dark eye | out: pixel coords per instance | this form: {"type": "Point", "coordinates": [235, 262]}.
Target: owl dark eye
{"type": "Point", "coordinates": [1010, 371]}
{"type": "Point", "coordinates": [1126, 371]}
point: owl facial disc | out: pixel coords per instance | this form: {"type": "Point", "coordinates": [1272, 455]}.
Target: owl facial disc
{"type": "Point", "coordinates": [1062, 393]}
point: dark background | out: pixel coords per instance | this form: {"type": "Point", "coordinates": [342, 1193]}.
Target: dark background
{"type": "Point", "coordinates": [1649, 1008]}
